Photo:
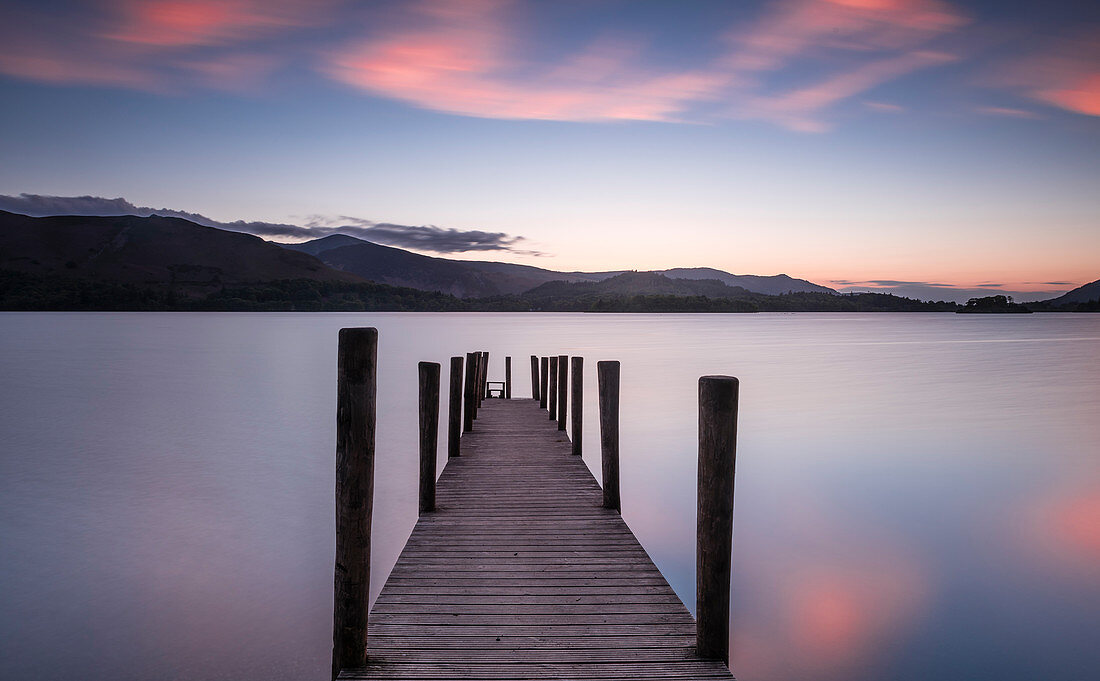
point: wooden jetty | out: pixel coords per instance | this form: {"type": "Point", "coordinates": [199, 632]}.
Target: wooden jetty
{"type": "Point", "coordinates": [520, 566]}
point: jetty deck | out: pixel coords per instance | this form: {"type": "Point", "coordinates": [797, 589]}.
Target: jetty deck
{"type": "Point", "coordinates": [520, 573]}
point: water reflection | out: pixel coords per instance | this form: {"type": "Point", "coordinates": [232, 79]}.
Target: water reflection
{"type": "Point", "coordinates": [917, 495]}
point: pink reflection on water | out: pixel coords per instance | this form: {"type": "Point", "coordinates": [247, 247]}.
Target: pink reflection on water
{"type": "Point", "coordinates": [1062, 531]}
{"type": "Point", "coordinates": [833, 606]}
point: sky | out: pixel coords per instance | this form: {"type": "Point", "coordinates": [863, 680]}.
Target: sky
{"type": "Point", "coordinates": [905, 144]}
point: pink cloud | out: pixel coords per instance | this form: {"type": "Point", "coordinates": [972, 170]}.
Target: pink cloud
{"type": "Point", "coordinates": [169, 23]}
{"type": "Point", "coordinates": [159, 45]}
{"type": "Point", "coordinates": [1010, 112]}
{"type": "Point", "coordinates": [796, 108]}
{"type": "Point", "coordinates": [1066, 74]}
{"type": "Point", "coordinates": [885, 107]}
{"type": "Point", "coordinates": [459, 59]}
{"type": "Point", "coordinates": [794, 28]}
{"type": "Point", "coordinates": [876, 41]}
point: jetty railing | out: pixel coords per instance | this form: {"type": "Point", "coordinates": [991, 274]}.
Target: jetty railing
{"type": "Point", "coordinates": [357, 365]}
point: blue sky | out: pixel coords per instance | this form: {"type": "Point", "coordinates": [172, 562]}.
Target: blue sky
{"type": "Point", "coordinates": [842, 141]}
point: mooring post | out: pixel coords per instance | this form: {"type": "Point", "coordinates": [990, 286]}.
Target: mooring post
{"type": "Point", "coordinates": [484, 375]}
{"type": "Point", "coordinates": [534, 377]}
{"type": "Point", "coordinates": [563, 389]}
{"type": "Point", "coordinates": [607, 376]}
{"type": "Point", "coordinates": [544, 381]}
{"type": "Point", "coordinates": [429, 432]}
{"type": "Point", "coordinates": [714, 523]}
{"type": "Point", "coordinates": [469, 397]}
{"type": "Point", "coordinates": [507, 378]}
{"type": "Point", "coordinates": [477, 381]}
{"type": "Point", "coordinates": [356, 405]}
{"type": "Point", "coordinates": [553, 387]}
{"type": "Point", "coordinates": [454, 408]}
{"type": "Point", "coordinates": [576, 404]}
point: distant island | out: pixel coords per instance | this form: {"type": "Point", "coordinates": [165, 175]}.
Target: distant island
{"type": "Point", "coordinates": [167, 263]}
{"type": "Point", "coordinates": [993, 305]}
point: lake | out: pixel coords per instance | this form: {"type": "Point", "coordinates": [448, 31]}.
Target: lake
{"type": "Point", "coordinates": [917, 495]}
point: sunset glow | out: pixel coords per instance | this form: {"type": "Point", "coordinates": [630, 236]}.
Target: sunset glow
{"type": "Point", "coordinates": [934, 143]}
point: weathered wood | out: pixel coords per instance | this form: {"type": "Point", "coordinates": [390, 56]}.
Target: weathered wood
{"type": "Point", "coordinates": [454, 408]}
{"type": "Point", "coordinates": [607, 376]}
{"type": "Point", "coordinates": [563, 389]}
{"type": "Point", "coordinates": [428, 375]}
{"type": "Point", "coordinates": [485, 376]}
{"type": "Point", "coordinates": [714, 524]}
{"type": "Point", "coordinates": [576, 404]}
{"type": "Point", "coordinates": [507, 378]}
{"type": "Point", "coordinates": [520, 574]}
{"type": "Point", "coordinates": [469, 394]}
{"type": "Point", "coordinates": [544, 382]}
{"type": "Point", "coordinates": [553, 388]}
{"type": "Point", "coordinates": [534, 377]}
{"type": "Point", "coordinates": [356, 395]}
{"type": "Point", "coordinates": [482, 376]}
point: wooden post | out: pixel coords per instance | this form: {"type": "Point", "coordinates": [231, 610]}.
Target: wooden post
{"type": "Point", "coordinates": [454, 408]}
{"type": "Point", "coordinates": [714, 524]}
{"type": "Point", "coordinates": [484, 376]}
{"type": "Point", "coordinates": [507, 378]}
{"type": "Point", "coordinates": [553, 387]}
{"type": "Point", "coordinates": [563, 389]}
{"type": "Point", "coordinates": [469, 397]}
{"type": "Point", "coordinates": [429, 432]}
{"type": "Point", "coordinates": [356, 404]}
{"type": "Point", "coordinates": [478, 393]}
{"type": "Point", "coordinates": [534, 377]}
{"type": "Point", "coordinates": [544, 381]}
{"type": "Point", "coordinates": [576, 405]}
{"type": "Point", "coordinates": [607, 375]}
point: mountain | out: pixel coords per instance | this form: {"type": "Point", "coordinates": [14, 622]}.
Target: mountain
{"type": "Point", "coordinates": [477, 278]}
{"type": "Point", "coordinates": [148, 250]}
{"type": "Point", "coordinates": [514, 279]}
{"type": "Point", "coordinates": [772, 286]}
{"type": "Point", "coordinates": [462, 278]}
{"type": "Point", "coordinates": [636, 284]}
{"type": "Point", "coordinates": [1081, 294]}
{"type": "Point", "coordinates": [397, 267]}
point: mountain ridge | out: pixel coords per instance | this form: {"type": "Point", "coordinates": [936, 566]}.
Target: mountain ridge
{"type": "Point", "coordinates": [148, 250]}
{"type": "Point", "coordinates": [481, 278]}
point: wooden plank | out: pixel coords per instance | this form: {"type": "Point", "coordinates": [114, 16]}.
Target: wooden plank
{"type": "Point", "coordinates": [521, 573]}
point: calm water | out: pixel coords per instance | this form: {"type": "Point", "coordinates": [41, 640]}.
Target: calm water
{"type": "Point", "coordinates": [918, 496]}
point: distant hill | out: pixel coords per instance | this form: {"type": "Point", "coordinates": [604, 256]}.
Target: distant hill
{"type": "Point", "coordinates": [397, 267]}
{"type": "Point", "coordinates": [636, 284]}
{"type": "Point", "coordinates": [461, 278]}
{"type": "Point", "coordinates": [148, 250]}
{"type": "Point", "coordinates": [1081, 294]}
{"type": "Point", "coordinates": [477, 278]}
{"type": "Point", "coordinates": [774, 285]}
